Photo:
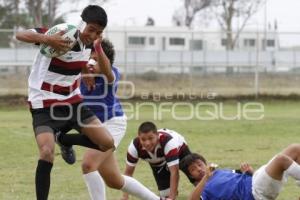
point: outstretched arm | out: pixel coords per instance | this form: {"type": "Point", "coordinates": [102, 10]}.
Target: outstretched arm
{"type": "Point", "coordinates": [55, 41]}
{"type": "Point", "coordinates": [103, 65]}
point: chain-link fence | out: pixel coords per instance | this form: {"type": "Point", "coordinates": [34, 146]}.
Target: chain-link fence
{"type": "Point", "coordinates": [176, 62]}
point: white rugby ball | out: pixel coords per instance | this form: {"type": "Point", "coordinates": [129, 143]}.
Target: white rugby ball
{"type": "Point", "coordinates": [69, 34]}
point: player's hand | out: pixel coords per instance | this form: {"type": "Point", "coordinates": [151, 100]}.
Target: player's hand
{"type": "Point", "coordinates": [245, 167]}
{"type": "Point", "coordinates": [89, 81]}
{"type": "Point", "coordinates": [57, 42]}
{"type": "Point", "coordinates": [97, 45]}
{"type": "Point", "coordinates": [210, 170]}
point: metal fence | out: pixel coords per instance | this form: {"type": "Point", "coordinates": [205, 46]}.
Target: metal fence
{"type": "Point", "coordinates": [253, 67]}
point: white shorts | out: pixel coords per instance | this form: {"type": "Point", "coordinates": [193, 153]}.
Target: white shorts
{"type": "Point", "coordinates": [117, 128]}
{"type": "Point", "coordinates": [265, 187]}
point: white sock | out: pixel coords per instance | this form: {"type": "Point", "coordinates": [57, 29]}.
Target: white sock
{"type": "Point", "coordinates": [135, 188]}
{"type": "Point", "coordinates": [164, 193]}
{"type": "Point", "coordinates": [294, 171]}
{"type": "Point", "coordinates": [95, 185]}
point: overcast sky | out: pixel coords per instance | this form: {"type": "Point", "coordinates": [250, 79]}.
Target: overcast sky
{"type": "Point", "coordinates": [135, 12]}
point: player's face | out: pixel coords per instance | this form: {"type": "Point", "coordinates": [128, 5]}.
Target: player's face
{"type": "Point", "coordinates": [149, 140]}
{"type": "Point", "coordinates": [90, 33]}
{"type": "Point", "coordinates": [197, 169]}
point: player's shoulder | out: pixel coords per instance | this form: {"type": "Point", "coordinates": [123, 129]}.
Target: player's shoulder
{"type": "Point", "coordinates": [136, 144]}
{"type": "Point", "coordinates": [164, 137]}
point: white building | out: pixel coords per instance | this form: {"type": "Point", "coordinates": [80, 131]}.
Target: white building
{"type": "Point", "coordinates": [151, 38]}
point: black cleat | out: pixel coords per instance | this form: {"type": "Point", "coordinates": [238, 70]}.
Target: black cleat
{"type": "Point", "coordinates": [67, 152]}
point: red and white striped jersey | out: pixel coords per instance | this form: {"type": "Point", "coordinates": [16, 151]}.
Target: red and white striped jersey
{"type": "Point", "coordinates": [167, 151]}
{"type": "Point", "coordinates": [56, 80]}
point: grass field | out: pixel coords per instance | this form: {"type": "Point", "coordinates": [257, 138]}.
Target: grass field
{"type": "Point", "coordinates": [224, 142]}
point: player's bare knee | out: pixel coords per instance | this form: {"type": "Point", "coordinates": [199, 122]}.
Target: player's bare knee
{"type": "Point", "coordinates": [114, 184]}
{"type": "Point", "coordinates": [47, 153]}
{"type": "Point", "coordinates": [108, 145]}
{"type": "Point", "coordinates": [88, 167]}
{"type": "Point", "coordinates": [283, 160]}
{"type": "Point", "coordinates": [294, 147]}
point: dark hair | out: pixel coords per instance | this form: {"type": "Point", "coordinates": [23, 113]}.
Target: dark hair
{"type": "Point", "coordinates": [109, 50]}
{"type": "Point", "coordinates": [94, 14]}
{"type": "Point", "coordinates": [188, 160]}
{"type": "Point", "coordinates": [146, 127]}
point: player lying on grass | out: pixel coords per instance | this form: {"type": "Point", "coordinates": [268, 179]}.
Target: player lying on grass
{"type": "Point", "coordinates": [162, 149]}
{"type": "Point", "coordinates": [264, 184]}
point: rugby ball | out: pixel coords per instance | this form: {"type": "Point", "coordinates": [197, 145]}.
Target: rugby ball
{"type": "Point", "coordinates": [70, 32]}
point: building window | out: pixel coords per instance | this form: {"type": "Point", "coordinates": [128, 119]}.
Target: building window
{"type": "Point", "coordinates": [196, 44]}
{"type": "Point", "coordinates": [136, 40]}
{"type": "Point", "coordinates": [270, 43]}
{"type": "Point", "coordinates": [151, 41]}
{"type": "Point", "coordinates": [249, 42]}
{"type": "Point", "coordinates": [224, 42]}
{"type": "Point", "coordinates": [177, 41]}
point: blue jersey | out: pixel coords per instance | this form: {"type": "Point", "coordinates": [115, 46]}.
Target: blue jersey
{"type": "Point", "coordinates": [227, 185]}
{"type": "Point", "coordinates": [102, 100]}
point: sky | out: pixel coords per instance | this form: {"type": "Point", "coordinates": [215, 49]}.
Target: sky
{"type": "Point", "coordinates": [135, 12]}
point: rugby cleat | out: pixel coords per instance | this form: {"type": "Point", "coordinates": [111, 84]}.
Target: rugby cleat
{"type": "Point", "coordinates": [67, 152]}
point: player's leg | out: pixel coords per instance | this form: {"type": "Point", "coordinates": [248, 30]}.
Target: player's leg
{"type": "Point", "coordinates": [45, 142]}
{"type": "Point", "coordinates": [87, 123]}
{"type": "Point", "coordinates": [268, 180]}
{"type": "Point", "coordinates": [286, 161]}
{"type": "Point", "coordinates": [80, 139]}
{"type": "Point", "coordinates": [109, 168]}
{"type": "Point", "coordinates": [92, 159]}
{"type": "Point", "coordinates": [44, 135]}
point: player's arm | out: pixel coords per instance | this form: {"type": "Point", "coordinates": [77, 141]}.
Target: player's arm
{"type": "Point", "coordinates": [129, 170]}
{"type": "Point", "coordinates": [172, 157]}
{"type": "Point", "coordinates": [196, 193]}
{"type": "Point", "coordinates": [174, 179]}
{"type": "Point", "coordinates": [103, 65]}
{"type": "Point", "coordinates": [55, 41]}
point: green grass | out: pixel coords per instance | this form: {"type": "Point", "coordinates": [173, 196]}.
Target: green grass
{"type": "Point", "coordinates": [224, 142]}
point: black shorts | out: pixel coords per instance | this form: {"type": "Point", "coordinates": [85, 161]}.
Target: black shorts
{"type": "Point", "coordinates": [162, 174]}
{"type": "Point", "coordinates": [61, 118]}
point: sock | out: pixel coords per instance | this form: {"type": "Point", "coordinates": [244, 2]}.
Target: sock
{"type": "Point", "coordinates": [95, 185]}
{"type": "Point", "coordinates": [294, 171]}
{"type": "Point", "coordinates": [135, 188]}
{"type": "Point", "coordinates": [42, 179]}
{"type": "Point", "coordinates": [77, 139]}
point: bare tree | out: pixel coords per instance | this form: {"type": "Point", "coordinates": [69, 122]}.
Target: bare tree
{"type": "Point", "coordinates": [35, 9]}
{"type": "Point", "coordinates": [52, 9]}
{"type": "Point", "coordinates": [185, 15]}
{"type": "Point", "coordinates": [226, 10]}
{"type": "Point", "coordinates": [36, 13]}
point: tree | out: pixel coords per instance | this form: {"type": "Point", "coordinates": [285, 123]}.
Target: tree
{"type": "Point", "coordinates": [227, 10]}
{"type": "Point", "coordinates": [184, 16]}
{"type": "Point", "coordinates": [33, 13]}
